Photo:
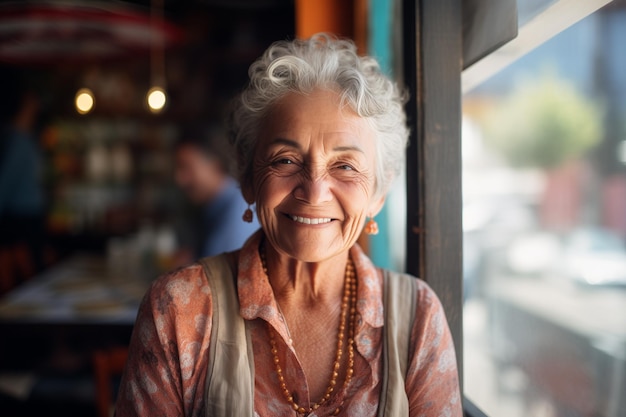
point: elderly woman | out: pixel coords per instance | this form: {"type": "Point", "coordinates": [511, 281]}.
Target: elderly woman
{"type": "Point", "coordinates": [299, 321]}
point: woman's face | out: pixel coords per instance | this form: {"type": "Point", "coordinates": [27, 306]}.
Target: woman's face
{"type": "Point", "coordinates": [313, 176]}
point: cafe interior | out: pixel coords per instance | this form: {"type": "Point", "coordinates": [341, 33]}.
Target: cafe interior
{"type": "Point", "coordinates": [116, 83]}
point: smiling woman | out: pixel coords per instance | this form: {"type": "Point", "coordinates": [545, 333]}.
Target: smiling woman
{"type": "Point", "coordinates": [311, 327]}
{"type": "Point", "coordinates": [323, 171]}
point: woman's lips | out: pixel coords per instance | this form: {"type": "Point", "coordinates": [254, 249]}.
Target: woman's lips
{"type": "Point", "coordinates": [307, 220]}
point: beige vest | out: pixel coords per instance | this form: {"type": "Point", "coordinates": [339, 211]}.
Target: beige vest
{"type": "Point", "coordinates": [230, 376]}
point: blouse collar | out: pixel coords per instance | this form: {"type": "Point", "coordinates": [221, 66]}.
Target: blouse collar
{"type": "Point", "coordinates": [256, 297]}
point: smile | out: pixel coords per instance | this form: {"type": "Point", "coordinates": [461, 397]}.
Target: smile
{"type": "Point", "coordinates": [305, 220]}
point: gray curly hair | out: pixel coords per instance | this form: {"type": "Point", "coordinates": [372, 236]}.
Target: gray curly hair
{"type": "Point", "coordinates": [322, 61]}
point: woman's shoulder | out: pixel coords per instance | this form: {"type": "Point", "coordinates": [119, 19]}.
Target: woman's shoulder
{"type": "Point", "coordinates": [416, 283]}
{"type": "Point", "coordinates": [411, 286]}
{"type": "Point", "coordinates": [182, 289]}
{"type": "Point", "coordinates": [188, 287]}
{"type": "Point", "coordinates": [178, 281]}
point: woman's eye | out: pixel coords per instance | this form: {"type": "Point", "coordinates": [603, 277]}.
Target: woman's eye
{"type": "Point", "coordinates": [346, 167]}
{"type": "Point", "coordinates": [283, 161]}
{"type": "Point", "coordinates": [286, 165]}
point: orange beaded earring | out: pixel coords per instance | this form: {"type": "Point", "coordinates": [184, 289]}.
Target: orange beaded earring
{"type": "Point", "coordinates": [371, 228]}
{"type": "Point", "coordinates": [248, 215]}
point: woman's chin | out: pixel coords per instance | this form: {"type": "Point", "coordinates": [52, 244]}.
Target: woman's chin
{"type": "Point", "coordinates": [308, 249]}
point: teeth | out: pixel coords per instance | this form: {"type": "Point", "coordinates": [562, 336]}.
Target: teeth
{"type": "Point", "coordinates": [306, 220]}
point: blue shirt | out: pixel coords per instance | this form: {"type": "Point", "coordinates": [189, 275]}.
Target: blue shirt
{"type": "Point", "coordinates": [224, 229]}
{"type": "Point", "coordinates": [20, 169]}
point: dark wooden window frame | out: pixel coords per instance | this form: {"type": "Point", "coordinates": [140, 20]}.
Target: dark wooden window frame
{"type": "Point", "coordinates": [432, 34]}
{"type": "Point", "coordinates": [434, 197]}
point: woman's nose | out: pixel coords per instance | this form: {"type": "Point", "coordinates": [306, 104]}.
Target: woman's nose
{"type": "Point", "coordinates": [314, 189]}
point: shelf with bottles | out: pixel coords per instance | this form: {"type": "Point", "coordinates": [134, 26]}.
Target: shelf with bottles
{"type": "Point", "coordinates": [102, 175]}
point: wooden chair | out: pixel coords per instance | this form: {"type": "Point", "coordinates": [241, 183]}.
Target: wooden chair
{"type": "Point", "coordinates": [7, 277]}
{"type": "Point", "coordinates": [16, 265]}
{"type": "Point", "coordinates": [107, 364]}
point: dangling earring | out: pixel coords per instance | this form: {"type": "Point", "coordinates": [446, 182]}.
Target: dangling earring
{"type": "Point", "coordinates": [371, 228]}
{"type": "Point", "coordinates": [248, 215]}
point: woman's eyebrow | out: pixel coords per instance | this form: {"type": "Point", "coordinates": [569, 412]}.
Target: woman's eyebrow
{"type": "Point", "coordinates": [286, 142]}
{"type": "Point", "coordinates": [296, 145]}
{"type": "Point", "coordinates": [348, 148]}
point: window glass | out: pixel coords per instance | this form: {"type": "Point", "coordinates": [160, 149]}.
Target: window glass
{"type": "Point", "coordinates": [544, 212]}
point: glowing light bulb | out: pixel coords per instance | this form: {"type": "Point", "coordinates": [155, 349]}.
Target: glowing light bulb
{"type": "Point", "coordinates": [156, 99]}
{"type": "Point", "coordinates": [84, 101]}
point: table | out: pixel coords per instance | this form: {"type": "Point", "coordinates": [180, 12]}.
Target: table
{"type": "Point", "coordinates": [82, 290]}
{"type": "Point", "coordinates": [51, 325]}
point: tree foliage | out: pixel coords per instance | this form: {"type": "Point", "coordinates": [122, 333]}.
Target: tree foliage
{"type": "Point", "coordinates": [543, 124]}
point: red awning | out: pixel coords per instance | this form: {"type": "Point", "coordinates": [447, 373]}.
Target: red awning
{"type": "Point", "coordinates": [46, 32]}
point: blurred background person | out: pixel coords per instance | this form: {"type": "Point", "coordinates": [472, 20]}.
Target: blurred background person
{"type": "Point", "coordinates": [22, 202]}
{"type": "Point", "coordinates": [202, 171]}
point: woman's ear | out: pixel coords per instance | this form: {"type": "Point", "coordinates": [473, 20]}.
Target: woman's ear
{"type": "Point", "coordinates": [247, 191]}
{"type": "Point", "coordinates": [376, 206]}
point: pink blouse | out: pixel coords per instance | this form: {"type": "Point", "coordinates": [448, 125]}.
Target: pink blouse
{"type": "Point", "coordinates": [166, 370]}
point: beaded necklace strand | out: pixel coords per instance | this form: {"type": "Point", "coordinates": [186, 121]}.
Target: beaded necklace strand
{"type": "Point", "coordinates": [348, 308]}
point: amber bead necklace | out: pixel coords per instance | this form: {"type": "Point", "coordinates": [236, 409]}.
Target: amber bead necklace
{"type": "Point", "coordinates": [348, 308]}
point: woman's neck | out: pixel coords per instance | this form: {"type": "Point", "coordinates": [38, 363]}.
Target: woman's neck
{"type": "Point", "coordinates": [305, 284]}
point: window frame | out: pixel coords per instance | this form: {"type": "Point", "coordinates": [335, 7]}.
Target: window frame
{"type": "Point", "coordinates": [432, 34]}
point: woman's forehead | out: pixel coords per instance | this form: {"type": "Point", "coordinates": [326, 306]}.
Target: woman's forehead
{"type": "Point", "coordinates": [320, 111]}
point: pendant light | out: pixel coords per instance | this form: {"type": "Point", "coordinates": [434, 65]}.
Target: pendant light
{"type": "Point", "coordinates": [156, 98]}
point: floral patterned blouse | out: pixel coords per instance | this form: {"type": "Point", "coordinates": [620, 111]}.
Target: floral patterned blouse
{"type": "Point", "coordinates": [166, 370]}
